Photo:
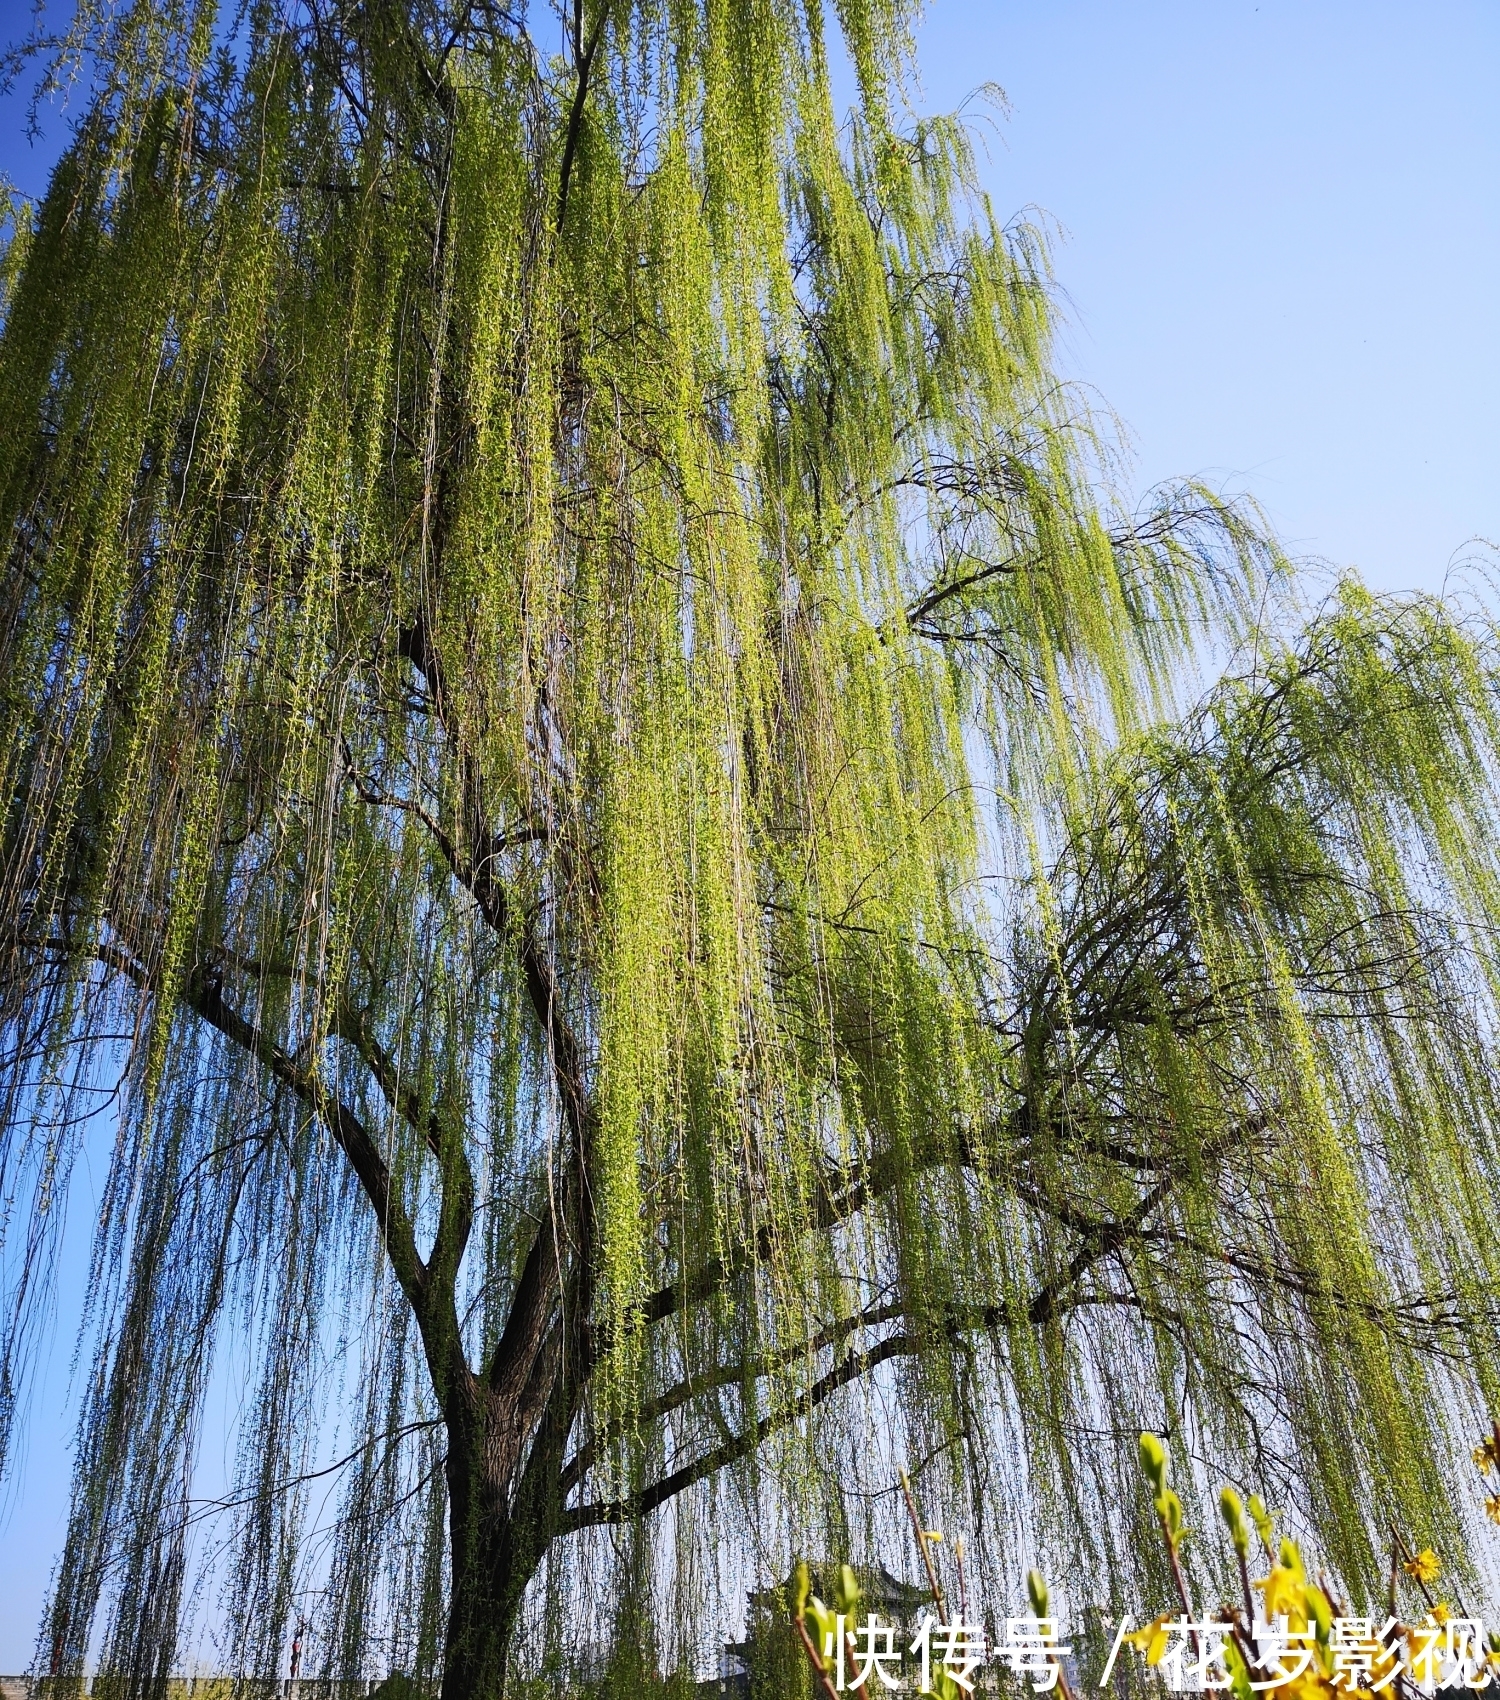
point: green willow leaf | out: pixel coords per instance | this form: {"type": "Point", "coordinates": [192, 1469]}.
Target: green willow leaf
{"type": "Point", "coordinates": [601, 838]}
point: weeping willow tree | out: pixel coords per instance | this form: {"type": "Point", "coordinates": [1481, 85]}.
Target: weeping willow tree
{"type": "Point", "coordinates": [602, 847]}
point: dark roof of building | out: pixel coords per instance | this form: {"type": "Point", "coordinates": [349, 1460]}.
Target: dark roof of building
{"type": "Point", "coordinates": [879, 1590]}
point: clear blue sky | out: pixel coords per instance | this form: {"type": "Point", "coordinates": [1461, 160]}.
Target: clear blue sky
{"type": "Point", "coordinates": [1283, 255]}
{"type": "Point", "coordinates": [1283, 244]}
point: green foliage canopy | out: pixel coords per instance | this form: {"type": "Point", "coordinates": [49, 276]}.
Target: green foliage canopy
{"type": "Point", "coordinates": [591, 774]}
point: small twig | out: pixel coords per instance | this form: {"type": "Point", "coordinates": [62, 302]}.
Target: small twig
{"type": "Point", "coordinates": [1181, 1581]}
{"type": "Point", "coordinates": [1243, 1642]}
{"type": "Point", "coordinates": [1405, 1555]}
{"type": "Point", "coordinates": [922, 1547]}
{"type": "Point", "coordinates": [817, 1659]}
{"type": "Point", "coordinates": [1064, 1687]}
{"type": "Point", "coordinates": [851, 1653]}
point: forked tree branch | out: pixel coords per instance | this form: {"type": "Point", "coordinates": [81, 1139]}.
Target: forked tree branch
{"type": "Point", "coordinates": [456, 1216]}
{"type": "Point", "coordinates": [723, 1375]}
{"type": "Point", "coordinates": [850, 1368]}
{"type": "Point", "coordinates": [510, 1372]}
{"type": "Point", "coordinates": [205, 998]}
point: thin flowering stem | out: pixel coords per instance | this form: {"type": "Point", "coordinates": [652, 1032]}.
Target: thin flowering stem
{"type": "Point", "coordinates": [1407, 1563]}
{"type": "Point", "coordinates": [852, 1655]}
{"type": "Point", "coordinates": [1181, 1582]}
{"type": "Point", "coordinates": [817, 1659]}
{"type": "Point", "coordinates": [920, 1531]}
{"type": "Point", "coordinates": [1244, 1641]}
{"type": "Point", "coordinates": [1178, 1578]}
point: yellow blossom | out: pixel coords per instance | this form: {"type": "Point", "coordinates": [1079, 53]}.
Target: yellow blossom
{"type": "Point", "coordinates": [1152, 1639]}
{"type": "Point", "coordinates": [1426, 1566]}
{"type": "Point", "coordinates": [1440, 1613]}
{"type": "Point", "coordinates": [1487, 1453]}
{"type": "Point", "coordinates": [1492, 1507]}
{"type": "Point", "coordinates": [1283, 1589]}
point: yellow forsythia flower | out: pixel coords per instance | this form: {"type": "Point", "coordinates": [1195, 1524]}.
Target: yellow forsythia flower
{"type": "Point", "coordinates": [1152, 1639]}
{"type": "Point", "coordinates": [1426, 1566]}
{"type": "Point", "coordinates": [1440, 1613]}
{"type": "Point", "coordinates": [1486, 1453]}
{"type": "Point", "coordinates": [1492, 1508]}
{"type": "Point", "coordinates": [1284, 1596]}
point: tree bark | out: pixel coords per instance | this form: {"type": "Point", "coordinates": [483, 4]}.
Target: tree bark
{"type": "Point", "coordinates": [505, 1496]}
{"type": "Point", "coordinates": [490, 1569]}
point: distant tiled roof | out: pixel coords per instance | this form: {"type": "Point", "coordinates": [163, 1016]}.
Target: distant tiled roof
{"type": "Point", "coordinates": [880, 1590]}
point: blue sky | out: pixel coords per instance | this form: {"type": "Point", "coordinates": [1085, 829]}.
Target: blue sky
{"type": "Point", "coordinates": [1283, 245]}
{"type": "Point", "coordinates": [1282, 253]}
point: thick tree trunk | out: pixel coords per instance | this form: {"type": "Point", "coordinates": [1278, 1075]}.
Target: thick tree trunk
{"type": "Point", "coordinates": [496, 1546]}
{"type": "Point", "coordinates": [488, 1585]}
{"type": "Point", "coordinates": [488, 1581]}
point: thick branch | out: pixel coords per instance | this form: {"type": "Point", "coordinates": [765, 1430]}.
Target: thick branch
{"type": "Point", "coordinates": [849, 1368]}
{"type": "Point", "coordinates": [723, 1375]}
{"type": "Point", "coordinates": [445, 1144]}
{"type": "Point", "coordinates": [586, 55]}
{"type": "Point", "coordinates": [1153, 533]}
{"type": "Point", "coordinates": [955, 1321]}
{"type": "Point", "coordinates": [510, 1373]}
{"type": "Point", "coordinates": [206, 1000]}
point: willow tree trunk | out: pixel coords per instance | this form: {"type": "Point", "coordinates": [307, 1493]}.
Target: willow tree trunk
{"type": "Point", "coordinates": [497, 1542]}
{"type": "Point", "coordinates": [487, 1584]}
{"type": "Point", "coordinates": [507, 1431]}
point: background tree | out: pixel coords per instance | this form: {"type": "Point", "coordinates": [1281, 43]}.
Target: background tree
{"type": "Point", "coordinates": [591, 794]}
